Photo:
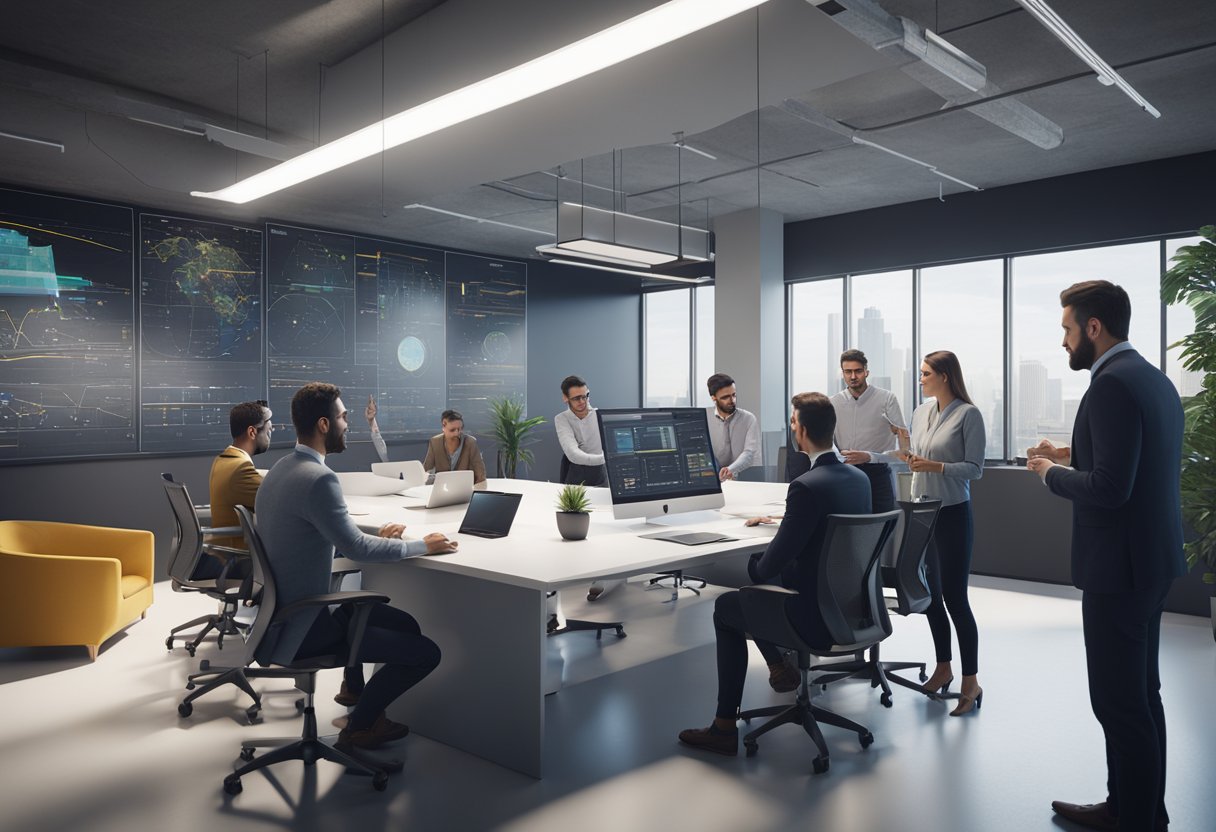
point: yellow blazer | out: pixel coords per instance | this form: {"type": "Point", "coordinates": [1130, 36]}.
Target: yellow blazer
{"type": "Point", "coordinates": [234, 482]}
{"type": "Point", "coordinates": [469, 459]}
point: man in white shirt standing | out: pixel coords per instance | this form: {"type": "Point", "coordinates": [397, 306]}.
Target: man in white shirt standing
{"type": "Point", "coordinates": [864, 418]}
{"type": "Point", "coordinates": [733, 431]}
{"type": "Point", "coordinates": [578, 433]}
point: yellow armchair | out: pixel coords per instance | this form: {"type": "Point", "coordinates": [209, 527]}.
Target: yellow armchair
{"type": "Point", "coordinates": [62, 583]}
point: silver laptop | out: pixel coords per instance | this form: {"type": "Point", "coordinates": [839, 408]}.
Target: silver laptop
{"type": "Point", "coordinates": [451, 488]}
{"type": "Point", "coordinates": [410, 471]}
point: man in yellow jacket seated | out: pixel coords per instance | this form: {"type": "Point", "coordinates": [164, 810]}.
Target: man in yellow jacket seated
{"type": "Point", "coordinates": [234, 480]}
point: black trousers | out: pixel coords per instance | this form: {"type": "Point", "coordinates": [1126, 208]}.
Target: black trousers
{"type": "Point", "coordinates": [882, 494]}
{"type": "Point", "coordinates": [590, 475]}
{"type": "Point", "coordinates": [392, 638]}
{"type": "Point", "coordinates": [731, 632]}
{"type": "Point", "coordinates": [949, 570]}
{"type": "Point", "coordinates": [1122, 638]}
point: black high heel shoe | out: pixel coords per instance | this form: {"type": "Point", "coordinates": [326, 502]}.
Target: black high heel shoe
{"type": "Point", "coordinates": [937, 690]}
{"type": "Point", "coordinates": [966, 704]}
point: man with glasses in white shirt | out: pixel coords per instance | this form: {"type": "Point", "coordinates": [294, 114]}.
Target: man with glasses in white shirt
{"type": "Point", "coordinates": [734, 432]}
{"type": "Point", "coordinates": [865, 416]}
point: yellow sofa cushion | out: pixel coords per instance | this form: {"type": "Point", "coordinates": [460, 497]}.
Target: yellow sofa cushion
{"type": "Point", "coordinates": [131, 584]}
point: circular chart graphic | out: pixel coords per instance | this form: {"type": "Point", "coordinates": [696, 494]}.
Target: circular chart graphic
{"type": "Point", "coordinates": [411, 354]}
{"type": "Point", "coordinates": [496, 346]}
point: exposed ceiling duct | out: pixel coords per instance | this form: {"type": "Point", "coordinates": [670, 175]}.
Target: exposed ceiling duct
{"type": "Point", "coordinates": [941, 67]}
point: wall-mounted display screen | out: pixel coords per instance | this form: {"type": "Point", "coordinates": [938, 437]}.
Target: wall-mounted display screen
{"type": "Point", "coordinates": [67, 333]}
{"type": "Point", "coordinates": [200, 312]}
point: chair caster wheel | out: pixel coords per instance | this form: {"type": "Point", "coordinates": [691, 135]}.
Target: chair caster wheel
{"type": "Point", "coordinates": [232, 785]}
{"type": "Point", "coordinates": [190, 648]}
{"type": "Point", "coordinates": [204, 665]}
{"type": "Point", "coordinates": [866, 739]}
{"type": "Point", "coordinates": [750, 749]}
{"type": "Point", "coordinates": [819, 765]}
{"type": "Point", "coordinates": [253, 714]}
{"type": "Point", "coordinates": [169, 643]}
{"type": "Point", "coordinates": [885, 699]}
{"type": "Point", "coordinates": [190, 686]}
{"type": "Point", "coordinates": [300, 705]}
{"type": "Point", "coordinates": [185, 709]}
{"type": "Point", "coordinates": [923, 676]}
{"type": "Point", "coordinates": [620, 632]}
{"type": "Point", "coordinates": [246, 754]}
{"type": "Point", "coordinates": [380, 781]}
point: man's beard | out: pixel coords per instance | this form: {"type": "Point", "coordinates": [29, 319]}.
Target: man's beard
{"type": "Point", "coordinates": [261, 446]}
{"type": "Point", "coordinates": [727, 408]}
{"type": "Point", "coordinates": [335, 443]}
{"type": "Point", "coordinates": [1082, 358]}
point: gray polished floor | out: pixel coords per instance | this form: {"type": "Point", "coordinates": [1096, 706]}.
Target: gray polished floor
{"type": "Point", "coordinates": [100, 746]}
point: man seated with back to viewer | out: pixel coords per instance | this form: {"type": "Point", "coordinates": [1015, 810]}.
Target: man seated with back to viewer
{"type": "Point", "coordinates": [302, 517]}
{"type": "Point", "coordinates": [234, 481]}
{"type": "Point", "coordinates": [734, 432]}
{"type": "Point", "coordinates": [830, 487]}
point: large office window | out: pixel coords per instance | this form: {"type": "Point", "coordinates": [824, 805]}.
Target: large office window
{"type": "Point", "coordinates": [1045, 393]}
{"type": "Point", "coordinates": [880, 312]}
{"type": "Point", "coordinates": [668, 332]}
{"type": "Point", "coordinates": [960, 310]}
{"type": "Point", "coordinates": [816, 336]}
{"type": "Point", "coordinates": [1179, 323]}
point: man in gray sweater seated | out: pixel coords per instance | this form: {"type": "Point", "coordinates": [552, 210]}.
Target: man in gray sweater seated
{"type": "Point", "coordinates": [302, 518]}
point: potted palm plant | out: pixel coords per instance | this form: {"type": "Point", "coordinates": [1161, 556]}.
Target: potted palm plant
{"type": "Point", "coordinates": [1192, 280]}
{"type": "Point", "coordinates": [511, 431]}
{"type": "Point", "coordinates": [573, 512]}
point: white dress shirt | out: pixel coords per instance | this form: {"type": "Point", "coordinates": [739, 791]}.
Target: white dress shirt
{"type": "Point", "coordinates": [861, 422]}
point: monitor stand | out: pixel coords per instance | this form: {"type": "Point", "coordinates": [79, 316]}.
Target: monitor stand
{"type": "Point", "coordinates": [685, 518]}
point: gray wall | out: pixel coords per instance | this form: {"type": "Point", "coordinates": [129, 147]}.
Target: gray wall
{"type": "Point", "coordinates": [585, 323]}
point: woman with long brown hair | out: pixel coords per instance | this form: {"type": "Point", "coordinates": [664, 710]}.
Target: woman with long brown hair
{"type": "Point", "coordinates": [947, 452]}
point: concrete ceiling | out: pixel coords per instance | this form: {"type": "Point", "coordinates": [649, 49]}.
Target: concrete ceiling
{"type": "Point", "coordinates": [298, 71]}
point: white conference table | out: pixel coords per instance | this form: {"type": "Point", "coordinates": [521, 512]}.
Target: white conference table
{"type": "Point", "coordinates": [485, 605]}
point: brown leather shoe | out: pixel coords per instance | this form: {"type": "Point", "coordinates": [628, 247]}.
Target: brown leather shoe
{"type": "Point", "coordinates": [345, 698]}
{"type": "Point", "coordinates": [783, 677]}
{"type": "Point", "coordinates": [383, 730]}
{"type": "Point", "coordinates": [712, 739]}
{"type": "Point", "coordinates": [1089, 815]}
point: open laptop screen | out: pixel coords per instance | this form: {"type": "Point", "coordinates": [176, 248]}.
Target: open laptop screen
{"type": "Point", "coordinates": [490, 513]}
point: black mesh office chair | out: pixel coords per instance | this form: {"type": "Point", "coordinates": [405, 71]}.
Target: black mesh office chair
{"type": "Point", "coordinates": [310, 747]}
{"type": "Point", "coordinates": [188, 551]}
{"type": "Point", "coordinates": [910, 595]}
{"type": "Point", "coordinates": [849, 601]}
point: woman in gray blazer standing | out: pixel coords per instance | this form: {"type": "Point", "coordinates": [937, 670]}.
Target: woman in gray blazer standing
{"type": "Point", "coordinates": [947, 452]}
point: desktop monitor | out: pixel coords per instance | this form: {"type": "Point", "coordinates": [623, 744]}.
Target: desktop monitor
{"type": "Point", "coordinates": [660, 461]}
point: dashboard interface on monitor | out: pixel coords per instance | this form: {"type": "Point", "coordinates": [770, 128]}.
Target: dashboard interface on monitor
{"type": "Point", "coordinates": [658, 453]}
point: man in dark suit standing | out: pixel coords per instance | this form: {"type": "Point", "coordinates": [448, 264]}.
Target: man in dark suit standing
{"type": "Point", "coordinates": [1126, 545]}
{"type": "Point", "coordinates": [830, 487]}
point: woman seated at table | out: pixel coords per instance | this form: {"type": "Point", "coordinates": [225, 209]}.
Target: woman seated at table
{"type": "Point", "coordinates": [450, 450]}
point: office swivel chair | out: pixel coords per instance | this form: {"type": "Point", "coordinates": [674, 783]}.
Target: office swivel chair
{"type": "Point", "coordinates": [188, 551]}
{"type": "Point", "coordinates": [849, 601]}
{"type": "Point", "coordinates": [906, 577]}
{"type": "Point", "coordinates": [310, 747]}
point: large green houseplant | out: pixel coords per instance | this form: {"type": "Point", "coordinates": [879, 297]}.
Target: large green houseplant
{"type": "Point", "coordinates": [1192, 280]}
{"type": "Point", "coordinates": [511, 431]}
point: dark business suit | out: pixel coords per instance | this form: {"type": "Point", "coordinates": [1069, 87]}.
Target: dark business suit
{"type": "Point", "coordinates": [792, 560]}
{"type": "Point", "coordinates": [1126, 551]}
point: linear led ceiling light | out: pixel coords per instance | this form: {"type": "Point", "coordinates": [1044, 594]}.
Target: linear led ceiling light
{"type": "Point", "coordinates": [1106, 73]}
{"type": "Point", "coordinates": [630, 38]}
{"type": "Point", "coordinates": [472, 218]}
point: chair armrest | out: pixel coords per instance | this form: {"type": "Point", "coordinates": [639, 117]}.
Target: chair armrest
{"type": "Point", "coordinates": [764, 614]}
{"type": "Point", "coordinates": [56, 594]}
{"type": "Point", "coordinates": [226, 531]}
{"type": "Point", "coordinates": [226, 550]}
{"type": "Point", "coordinates": [134, 549]}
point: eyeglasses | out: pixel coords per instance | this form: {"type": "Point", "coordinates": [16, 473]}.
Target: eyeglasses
{"type": "Point", "coordinates": [586, 397]}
